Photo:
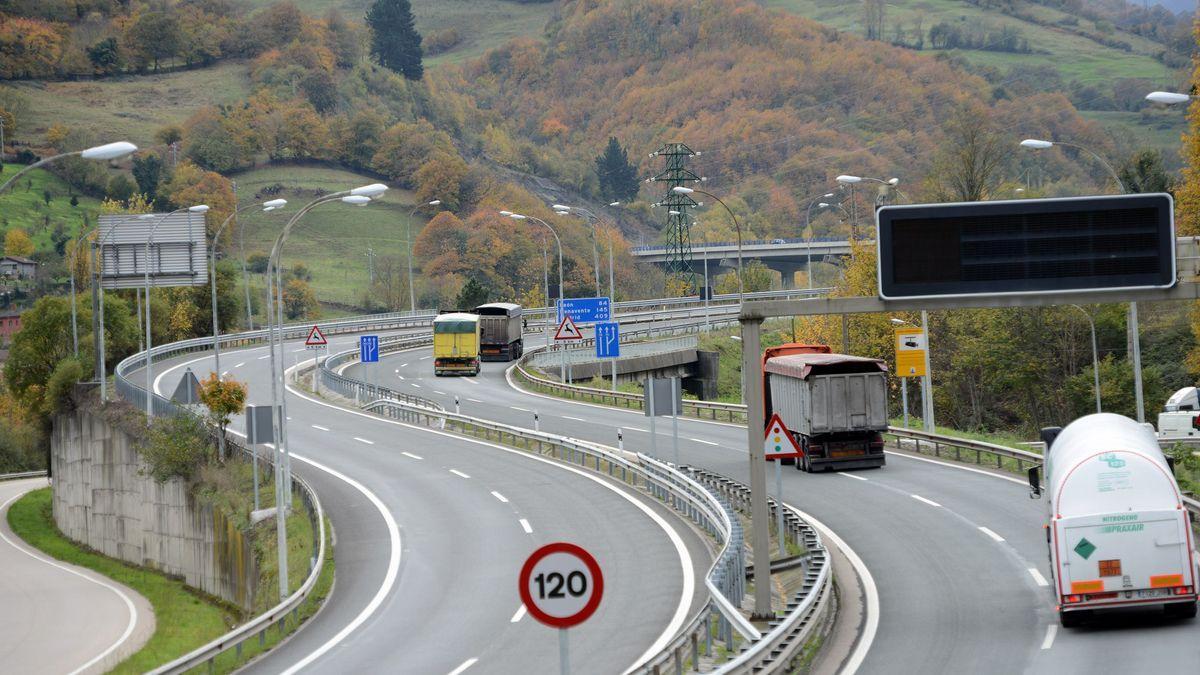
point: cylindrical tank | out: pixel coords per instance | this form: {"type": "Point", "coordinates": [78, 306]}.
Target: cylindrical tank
{"type": "Point", "coordinates": [1104, 463]}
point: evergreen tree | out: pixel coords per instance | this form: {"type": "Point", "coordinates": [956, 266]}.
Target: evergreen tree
{"type": "Point", "coordinates": [1144, 172]}
{"type": "Point", "coordinates": [618, 178]}
{"type": "Point", "coordinates": [395, 42]}
{"type": "Point", "coordinates": [472, 295]}
{"type": "Point", "coordinates": [147, 171]}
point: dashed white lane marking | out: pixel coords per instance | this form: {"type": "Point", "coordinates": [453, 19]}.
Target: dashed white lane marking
{"type": "Point", "coordinates": [409, 454]}
{"type": "Point", "coordinates": [1037, 577]}
{"type": "Point", "coordinates": [426, 358]}
{"type": "Point", "coordinates": [363, 440]}
{"type": "Point", "coordinates": [474, 400]}
{"type": "Point", "coordinates": [317, 426]}
{"type": "Point", "coordinates": [521, 409]}
{"type": "Point", "coordinates": [526, 526]}
{"type": "Point", "coordinates": [573, 419]}
{"type": "Point", "coordinates": [850, 475]}
{"type": "Point", "coordinates": [644, 431]}
{"type": "Point", "coordinates": [1048, 642]}
{"type": "Point", "coordinates": [403, 365]}
{"type": "Point", "coordinates": [701, 440]}
{"type": "Point", "coordinates": [240, 364]}
{"type": "Point", "coordinates": [400, 376]}
{"type": "Point", "coordinates": [415, 385]}
{"type": "Point", "coordinates": [458, 473]}
{"type": "Point", "coordinates": [466, 664]}
{"type": "Point", "coordinates": [519, 615]}
{"type": "Point", "coordinates": [439, 393]}
{"type": "Point", "coordinates": [297, 351]}
{"type": "Point", "coordinates": [991, 534]}
{"type": "Point", "coordinates": [927, 501]}
{"type": "Point", "coordinates": [225, 374]}
{"type": "Point", "coordinates": [502, 498]}
{"type": "Point", "coordinates": [472, 382]}
{"type": "Point", "coordinates": [267, 356]}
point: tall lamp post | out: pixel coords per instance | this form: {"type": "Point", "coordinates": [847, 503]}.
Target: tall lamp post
{"type": "Point", "coordinates": [591, 218]}
{"type": "Point", "coordinates": [412, 293]}
{"type": "Point", "coordinates": [680, 190]}
{"type": "Point", "coordinates": [357, 196]}
{"type": "Point", "coordinates": [1095, 354]}
{"type": "Point", "coordinates": [561, 288]}
{"type": "Point", "coordinates": [201, 209]}
{"type": "Point", "coordinates": [99, 153]}
{"type": "Point", "coordinates": [1134, 336]}
{"type": "Point", "coordinates": [808, 226]}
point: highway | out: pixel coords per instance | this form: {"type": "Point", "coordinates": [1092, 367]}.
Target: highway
{"type": "Point", "coordinates": [956, 553]}
{"type": "Point", "coordinates": [59, 618]}
{"type": "Point", "coordinates": [430, 532]}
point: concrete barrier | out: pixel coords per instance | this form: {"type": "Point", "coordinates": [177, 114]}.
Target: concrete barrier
{"type": "Point", "coordinates": [103, 500]}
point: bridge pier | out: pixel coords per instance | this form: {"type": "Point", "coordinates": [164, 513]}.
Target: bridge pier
{"type": "Point", "coordinates": [787, 270]}
{"type": "Point", "coordinates": [697, 370]}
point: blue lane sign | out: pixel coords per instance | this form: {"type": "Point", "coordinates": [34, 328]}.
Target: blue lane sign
{"type": "Point", "coordinates": [608, 340]}
{"type": "Point", "coordinates": [368, 349]}
{"type": "Point", "coordinates": [585, 310]}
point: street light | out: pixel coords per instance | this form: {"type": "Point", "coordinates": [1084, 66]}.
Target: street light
{"type": "Point", "coordinates": [558, 242]}
{"type": "Point", "coordinates": [201, 209]}
{"type": "Point", "coordinates": [591, 218]}
{"type": "Point", "coordinates": [412, 294]}
{"type": "Point", "coordinates": [1167, 97]}
{"type": "Point", "coordinates": [808, 226]}
{"type": "Point", "coordinates": [680, 190]}
{"type": "Point", "coordinates": [1134, 329]}
{"type": "Point", "coordinates": [99, 153]}
{"type": "Point", "coordinates": [283, 479]}
{"type": "Point", "coordinates": [1095, 355]}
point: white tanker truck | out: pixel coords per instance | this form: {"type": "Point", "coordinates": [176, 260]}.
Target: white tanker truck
{"type": "Point", "coordinates": [1117, 529]}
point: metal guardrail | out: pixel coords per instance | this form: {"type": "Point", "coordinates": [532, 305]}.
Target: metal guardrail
{"type": "Point", "coordinates": [754, 242]}
{"type": "Point", "coordinates": [23, 474]}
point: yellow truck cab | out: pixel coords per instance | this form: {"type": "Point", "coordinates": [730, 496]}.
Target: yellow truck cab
{"type": "Point", "coordinates": [456, 344]}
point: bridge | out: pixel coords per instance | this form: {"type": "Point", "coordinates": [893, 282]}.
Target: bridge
{"type": "Point", "coordinates": [786, 256]}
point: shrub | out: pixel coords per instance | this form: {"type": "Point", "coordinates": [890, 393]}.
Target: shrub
{"type": "Point", "coordinates": [175, 447]}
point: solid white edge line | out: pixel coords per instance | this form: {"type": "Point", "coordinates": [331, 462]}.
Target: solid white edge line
{"type": "Point", "coordinates": [687, 570]}
{"type": "Point", "coordinates": [363, 440]}
{"type": "Point", "coordinates": [927, 501]}
{"type": "Point", "coordinates": [319, 427]}
{"type": "Point", "coordinates": [991, 534]}
{"type": "Point", "coordinates": [526, 526]}
{"type": "Point", "coordinates": [520, 409]}
{"type": "Point", "coordinates": [519, 615]}
{"type": "Point", "coordinates": [573, 419]}
{"type": "Point", "coordinates": [458, 473]}
{"type": "Point", "coordinates": [1051, 631]}
{"type": "Point", "coordinates": [1037, 577]}
{"type": "Point", "coordinates": [409, 454]}
{"type": "Point", "coordinates": [393, 569]}
{"type": "Point", "coordinates": [850, 475]}
{"type": "Point", "coordinates": [466, 664]}
{"type": "Point", "coordinates": [502, 498]}
{"type": "Point", "coordinates": [129, 606]}
{"type": "Point", "coordinates": [867, 637]}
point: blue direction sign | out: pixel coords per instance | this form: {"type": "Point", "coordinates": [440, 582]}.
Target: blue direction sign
{"type": "Point", "coordinates": [368, 348]}
{"type": "Point", "coordinates": [585, 310]}
{"type": "Point", "coordinates": [608, 340]}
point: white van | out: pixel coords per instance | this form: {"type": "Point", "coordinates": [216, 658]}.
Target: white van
{"type": "Point", "coordinates": [1117, 529]}
{"type": "Point", "coordinates": [1180, 418]}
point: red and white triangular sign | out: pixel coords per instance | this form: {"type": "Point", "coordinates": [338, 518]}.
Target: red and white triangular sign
{"type": "Point", "coordinates": [315, 338]}
{"type": "Point", "coordinates": [567, 330]}
{"type": "Point", "coordinates": [778, 442]}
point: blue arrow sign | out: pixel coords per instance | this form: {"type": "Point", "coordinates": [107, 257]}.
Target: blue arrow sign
{"type": "Point", "coordinates": [585, 310]}
{"type": "Point", "coordinates": [368, 349]}
{"type": "Point", "coordinates": [608, 340]}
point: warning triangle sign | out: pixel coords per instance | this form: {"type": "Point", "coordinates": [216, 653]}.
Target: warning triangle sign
{"type": "Point", "coordinates": [316, 338]}
{"type": "Point", "coordinates": [567, 330]}
{"type": "Point", "coordinates": [778, 442]}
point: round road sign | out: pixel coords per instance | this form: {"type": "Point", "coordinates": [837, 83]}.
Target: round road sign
{"type": "Point", "coordinates": [561, 585]}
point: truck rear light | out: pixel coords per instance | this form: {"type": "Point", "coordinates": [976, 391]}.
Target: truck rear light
{"type": "Point", "coordinates": [817, 448]}
{"type": "Point", "coordinates": [1070, 599]}
{"type": "Point", "coordinates": [1183, 590]}
{"type": "Point", "coordinates": [1196, 422]}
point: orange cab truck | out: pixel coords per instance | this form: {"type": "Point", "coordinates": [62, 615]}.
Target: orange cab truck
{"type": "Point", "coordinates": [834, 405]}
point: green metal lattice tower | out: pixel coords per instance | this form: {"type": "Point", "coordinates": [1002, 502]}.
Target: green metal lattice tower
{"type": "Point", "coordinates": [679, 221]}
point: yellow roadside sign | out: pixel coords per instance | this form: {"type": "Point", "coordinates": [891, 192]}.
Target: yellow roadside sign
{"type": "Point", "coordinates": [910, 352]}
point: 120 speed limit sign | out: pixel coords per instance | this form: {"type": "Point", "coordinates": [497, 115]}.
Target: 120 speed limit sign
{"type": "Point", "coordinates": [561, 585]}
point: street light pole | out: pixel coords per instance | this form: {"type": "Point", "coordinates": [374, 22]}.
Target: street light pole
{"type": "Point", "coordinates": [100, 152]}
{"type": "Point", "coordinates": [561, 288]}
{"type": "Point", "coordinates": [680, 190]}
{"type": "Point", "coordinates": [412, 294]}
{"type": "Point", "coordinates": [808, 227]}
{"type": "Point", "coordinates": [1095, 355]}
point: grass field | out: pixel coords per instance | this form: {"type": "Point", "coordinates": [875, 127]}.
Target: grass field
{"type": "Point", "coordinates": [332, 241]}
{"type": "Point", "coordinates": [23, 205]}
{"type": "Point", "coordinates": [1077, 57]}
{"type": "Point", "coordinates": [133, 108]}
{"type": "Point", "coordinates": [1132, 130]}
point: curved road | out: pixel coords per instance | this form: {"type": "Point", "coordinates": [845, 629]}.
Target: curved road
{"type": "Point", "coordinates": [956, 553]}
{"type": "Point", "coordinates": [466, 514]}
{"type": "Point", "coordinates": [59, 618]}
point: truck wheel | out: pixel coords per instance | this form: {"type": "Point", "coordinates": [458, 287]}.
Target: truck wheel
{"type": "Point", "coordinates": [1182, 610]}
{"type": "Point", "coordinates": [1071, 619]}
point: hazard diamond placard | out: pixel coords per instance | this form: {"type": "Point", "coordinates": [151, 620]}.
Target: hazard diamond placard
{"type": "Point", "coordinates": [567, 330]}
{"type": "Point", "coordinates": [316, 338]}
{"type": "Point", "coordinates": [778, 442]}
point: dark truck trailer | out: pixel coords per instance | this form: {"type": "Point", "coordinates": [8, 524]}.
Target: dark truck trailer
{"type": "Point", "coordinates": [500, 325]}
{"type": "Point", "coordinates": [835, 405]}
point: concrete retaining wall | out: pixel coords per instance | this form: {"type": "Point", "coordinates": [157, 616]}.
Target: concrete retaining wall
{"type": "Point", "coordinates": [102, 501]}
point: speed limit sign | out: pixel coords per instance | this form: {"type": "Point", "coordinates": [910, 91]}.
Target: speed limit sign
{"type": "Point", "coordinates": [561, 585]}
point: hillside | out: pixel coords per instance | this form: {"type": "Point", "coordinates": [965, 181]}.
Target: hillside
{"type": "Point", "coordinates": [24, 206]}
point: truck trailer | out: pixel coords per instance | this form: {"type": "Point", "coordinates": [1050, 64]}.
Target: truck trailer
{"type": "Point", "coordinates": [500, 327]}
{"type": "Point", "coordinates": [1180, 418]}
{"type": "Point", "coordinates": [456, 344]}
{"type": "Point", "coordinates": [1116, 528]}
{"type": "Point", "coordinates": [834, 405]}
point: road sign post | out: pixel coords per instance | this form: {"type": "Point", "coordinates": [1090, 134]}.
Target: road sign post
{"type": "Point", "coordinates": [608, 345]}
{"type": "Point", "coordinates": [258, 430]}
{"type": "Point", "coordinates": [586, 310]}
{"type": "Point", "coordinates": [779, 444]}
{"type": "Point", "coordinates": [567, 331]}
{"type": "Point", "coordinates": [561, 586]}
{"type": "Point", "coordinates": [368, 352]}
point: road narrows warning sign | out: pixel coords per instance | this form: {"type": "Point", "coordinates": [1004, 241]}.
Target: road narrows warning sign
{"type": "Point", "coordinates": [778, 442]}
{"type": "Point", "coordinates": [567, 330]}
{"type": "Point", "coordinates": [316, 338]}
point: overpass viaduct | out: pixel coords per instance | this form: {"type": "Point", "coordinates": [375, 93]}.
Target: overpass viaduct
{"type": "Point", "coordinates": [786, 256]}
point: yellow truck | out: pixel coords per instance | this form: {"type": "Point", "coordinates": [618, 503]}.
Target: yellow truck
{"type": "Point", "coordinates": [456, 344]}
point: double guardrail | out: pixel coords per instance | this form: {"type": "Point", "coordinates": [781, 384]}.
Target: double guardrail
{"type": "Point", "coordinates": [23, 474]}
